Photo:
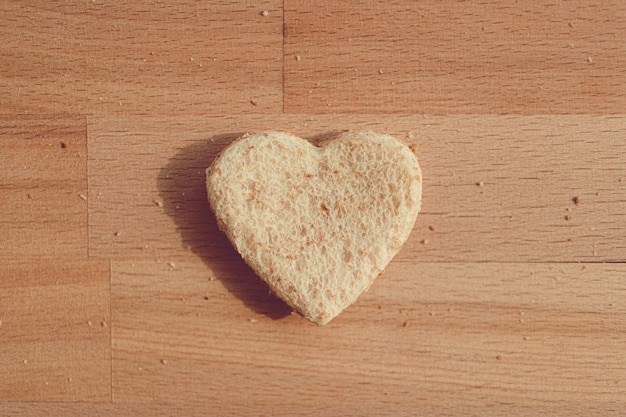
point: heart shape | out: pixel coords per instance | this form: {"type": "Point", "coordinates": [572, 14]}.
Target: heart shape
{"type": "Point", "coordinates": [317, 223]}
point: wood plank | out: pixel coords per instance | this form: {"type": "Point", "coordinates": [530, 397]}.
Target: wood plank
{"type": "Point", "coordinates": [135, 57]}
{"type": "Point", "coordinates": [496, 188]}
{"type": "Point", "coordinates": [43, 68]}
{"type": "Point", "coordinates": [449, 57]}
{"type": "Point", "coordinates": [343, 410]}
{"type": "Point", "coordinates": [495, 337]}
{"type": "Point", "coordinates": [43, 187]}
{"type": "Point", "coordinates": [55, 341]}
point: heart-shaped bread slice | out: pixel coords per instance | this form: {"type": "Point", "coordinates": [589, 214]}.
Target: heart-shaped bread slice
{"type": "Point", "coordinates": [317, 223]}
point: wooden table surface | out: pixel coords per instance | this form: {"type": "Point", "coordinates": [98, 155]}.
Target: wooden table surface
{"type": "Point", "coordinates": [119, 296]}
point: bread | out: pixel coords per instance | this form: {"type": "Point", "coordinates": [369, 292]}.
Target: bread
{"type": "Point", "coordinates": [317, 224]}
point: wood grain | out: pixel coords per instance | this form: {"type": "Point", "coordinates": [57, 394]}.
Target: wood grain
{"type": "Point", "coordinates": [495, 188]}
{"type": "Point", "coordinates": [141, 58]}
{"type": "Point", "coordinates": [120, 297]}
{"type": "Point", "coordinates": [538, 335]}
{"type": "Point", "coordinates": [449, 57]}
{"type": "Point", "coordinates": [43, 183]}
{"type": "Point", "coordinates": [55, 341]}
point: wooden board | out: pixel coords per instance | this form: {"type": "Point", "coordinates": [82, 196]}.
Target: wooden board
{"type": "Point", "coordinates": [120, 297]}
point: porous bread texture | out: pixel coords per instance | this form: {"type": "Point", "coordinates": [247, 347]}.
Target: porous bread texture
{"type": "Point", "coordinates": [317, 224]}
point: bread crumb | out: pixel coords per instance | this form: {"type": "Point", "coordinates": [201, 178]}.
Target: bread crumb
{"type": "Point", "coordinates": [298, 57]}
{"type": "Point", "coordinates": [89, 323]}
{"type": "Point", "coordinates": [414, 147]}
{"type": "Point", "coordinates": [253, 102]}
{"type": "Point", "coordinates": [171, 264]}
{"type": "Point", "coordinates": [380, 71]}
{"type": "Point", "coordinates": [589, 59]}
{"type": "Point", "coordinates": [103, 323]}
{"type": "Point", "coordinates": [253, 320]}
{"type": "Point", "coordinates": [30, 196]}
{"type": "Point", "coordinates": [69, 379]}
{"type": "Point", "coordinates": [431, 228]}
{"type": "Point", "coordinates": [25, 361]}
{"type": "Point", "coordinates": [116, 233]}
{"type": "Point", "coordinates": [265, 13]}
{"type": "Point", "coordinates": [424, 241]}
{"type": "Point", "coordinates": [82, 196]}
{"type": "Point", "coordinates": [567, 217]}
{"type": "Point", "coordinates": [575, 200]}
{"type": "Point", "coordinates": [432, 313]}
{"type": "Point", "coordinates": [63, 145]}
{"type": "Point", "coordinates": [45, 383]}
{"type": "Point", "coordinates": [158, 203]}
{"type": "Point", "coordinates": [164, 361]}
{"type": "Point", "coordinates": [480, 184]}
{"type": "Point", "coordinates": [499, 357]}
{"type": "Point", "coordinates": [406, 323]}
{"type": "Point", "coordinates": [380, 306]}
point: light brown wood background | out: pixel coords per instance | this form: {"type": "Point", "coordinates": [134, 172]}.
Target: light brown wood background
{"type": "Point", "coordinates": [119, 297]}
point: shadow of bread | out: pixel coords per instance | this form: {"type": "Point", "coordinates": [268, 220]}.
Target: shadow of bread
{"type": "Point", "coordinates": [181, 185]}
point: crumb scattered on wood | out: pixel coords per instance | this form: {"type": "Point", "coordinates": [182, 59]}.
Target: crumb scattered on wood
{"type": "Point", "coordinates": [265, 13]}
{"type": "Point", "coordinates": [164, 361]}
{"type": "Point", "coordinates": [499, 357]}
{"type": "Point", "coordinates": [589, 59]}
{"type": "Point", "coordinates": [116, 233]}
{"type": "Point", "coordinates": [63, 145]}
{"type": "Point", "coordinates": [575, 200]}
{"type": "Point", "coordinates": [431, 228]}
{"type": "Point", "coordinates": [414, 147]}
{"type": "Point", "coordinates": [30, 196]}
{"type": "Point", "coordinates": [298, 57]}
{"type": "Point", "coordinates": [480, 184]}
{"type": "Point", "coordinates": [82, 196]}
{"type": "Point", "coordinates": [89, 323]}
{"type": "Point", "coordinates": [568, 217]}
{"type": "Point", "coordinates": [380, 71]}
{"type": "Point", "coordinates": [424, 241]}
{"type": "Point", "coordinates": [253, 102]}
{"type": "Point", "coordinates": [25, 361]}
{"type": "Point", "coordinates": [253, 320]}
{"type": "Point", "coordinates": [158, 203]}
{"type": "Point", "coordinates": [406, 323]}
{"type": "Point", "coordinates": [171, 264]}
